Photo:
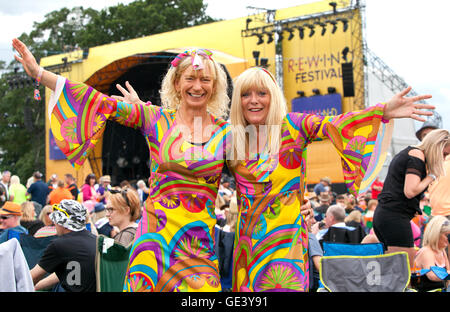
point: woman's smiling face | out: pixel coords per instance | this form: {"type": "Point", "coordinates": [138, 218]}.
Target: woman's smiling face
{"type": "Point", "coordinates": [255, 105]}
{"type": "Point", "coordinates": [195, 87]}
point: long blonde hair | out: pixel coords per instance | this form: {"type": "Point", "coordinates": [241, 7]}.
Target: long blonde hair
{"type": "Point", "coordinates": [218, 104]}
{"type": "Point", "coordinates": [261, 79]}
{"type": "Point", "coordinates": [432, 146]}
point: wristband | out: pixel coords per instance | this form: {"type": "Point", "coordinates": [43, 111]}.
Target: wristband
{"type": "Point", "coordinates": [37, 95]}
{"type": "Point", "coordinates": [432, 176]}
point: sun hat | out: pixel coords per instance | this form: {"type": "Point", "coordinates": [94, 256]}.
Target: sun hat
{"type": "Point", "coordinates": [69, 214]}
{"type": "Point", "coordinates": [10, 208]}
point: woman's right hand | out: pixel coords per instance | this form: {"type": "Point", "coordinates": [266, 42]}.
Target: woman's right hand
{"type": "Point", "coordinates": [26, 58]}
{"type": "Point", "coordinates": [129, 96]}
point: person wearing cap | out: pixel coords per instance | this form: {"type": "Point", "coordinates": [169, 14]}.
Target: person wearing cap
{"type": "Point", "coordinates": [427, 126]}
{"type": "Point", "coordinates": [104, 185]}
{"type": "Point", "coordinates": [70, 258]}
{"type": "Point", "coordinates": [10, 215]}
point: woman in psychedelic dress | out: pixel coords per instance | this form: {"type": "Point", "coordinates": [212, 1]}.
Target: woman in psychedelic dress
{"type": "Point", "coordinates": [174, 246]}
{"type": "Point", "coordinates": [271, 244]}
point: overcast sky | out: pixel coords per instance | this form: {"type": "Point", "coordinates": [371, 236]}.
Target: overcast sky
{"type": "Point", "coordinates": [410, 36]}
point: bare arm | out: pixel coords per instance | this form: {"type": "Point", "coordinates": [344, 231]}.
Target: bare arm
{"type": "Point", "coordinates": [47, 282]}
{"type": "Point", "coordinates": [30, 65]}
{"type": "Point", "coordinates": [413, 184]}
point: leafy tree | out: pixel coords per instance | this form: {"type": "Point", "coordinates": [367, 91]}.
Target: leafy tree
{"type": "Point", "coordinates": [22, 119]}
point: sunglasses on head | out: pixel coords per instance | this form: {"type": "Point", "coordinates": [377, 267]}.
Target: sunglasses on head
{"type": "Point", "coordinates": [124, 194]}
{"type": "Point", "coordinates": [55, 207]}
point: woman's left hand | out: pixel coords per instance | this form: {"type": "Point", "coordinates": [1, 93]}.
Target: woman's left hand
{"type": "Point", "coordinates": [400, 106]}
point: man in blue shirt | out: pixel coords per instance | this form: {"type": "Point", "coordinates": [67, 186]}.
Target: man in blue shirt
{"type": "Point", "coordinates": [38, 190]}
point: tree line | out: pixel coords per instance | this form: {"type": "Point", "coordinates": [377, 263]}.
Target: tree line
{"type": "Point", "coordinates": [22, 119]}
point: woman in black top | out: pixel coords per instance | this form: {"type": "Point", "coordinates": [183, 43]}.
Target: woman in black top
{"type": "Point", "coordinates": [410, 172]}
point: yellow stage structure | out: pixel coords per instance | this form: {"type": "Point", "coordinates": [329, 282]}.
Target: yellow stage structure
{"type": "Point", "coordinates": [312, 49]}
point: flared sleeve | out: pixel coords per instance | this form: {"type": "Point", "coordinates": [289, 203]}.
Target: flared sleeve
{"type": "Point", "coordinates": [360, 138]}
{"type": "Point", "coordinates": [78, 115]}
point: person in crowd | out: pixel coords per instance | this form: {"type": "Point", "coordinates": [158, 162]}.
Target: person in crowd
{"type": "Point", "coordinates": [143, 191]}
{"type": "Point", "coordinates": [90, 195]}
{"type": "Point", "coordinates": [104, 184]}
{"type": "Point", "coordinates": [324, 203]}
{"type": "Point", "coordinates": [376, 187]}
{"type": "Point", "coordinates": [17, 191]}
{"type": "Point", "coordinates": [334, 218]}
{"type": "Point", "coordinates": [225, 242]}
{"type": "Point", "coordinates": [122, 210]}
{"type": "Point", "coordinates": [10, 214]}
{"type": "Point", "coordinates": [426, 128]}
{"type": "Point", "coordinates": [4, 184]}
{"type": "Point", "coordinates": [38, 191]}
{"type": "Point", "coordinates": [368, 214]}
{"type": "Point", "coordinates": [224, 189]}
{"type": "Point", "coordinates": [356, 220]}
{"type": "Point", "coordinates": [28, 219]}
{"type": "Point", "coordinates": [269, 170]}
{"type": "Point", "coordinates": [315, 254]}
{"type": "Point", "coordinates": [341, 200]}
{"type": "Point", "coordinates": [100, 220]}
{"type": "Point", "coordinates": [71, 185]}
{"type": "Point", "coordinates": [49, 228]}
{"type": "Point", "coordinates": [435, 241]}
{"type": "Point", "coordinates": [53, 182]}
{"type": "Point", "coordinates": [30, 181]}
{"type": "Point", "coordinates": [410, 172]}
{"type": "Point", "coordinates": [438, 194]}
{"type": "Point", "coordinates": [69, 260]}
{"type": "Point", "coordinates": [324, 185]}
{"type": "Point", "coordinates": [59, 193]}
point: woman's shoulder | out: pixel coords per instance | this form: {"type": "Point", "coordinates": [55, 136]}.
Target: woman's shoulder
{"type": "Point", "coordinates": [416, 152]}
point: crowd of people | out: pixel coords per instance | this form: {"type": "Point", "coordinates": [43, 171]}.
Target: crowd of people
{"type": "Point", "coordinates": [181, 237]}
{"type": "Point", "coordinates": [56, 208]}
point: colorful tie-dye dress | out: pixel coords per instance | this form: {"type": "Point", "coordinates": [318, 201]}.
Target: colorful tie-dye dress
{"type": "Point", "coordinates": [174, 244]}
{"type": "Point", "coordinates": [271, 244]}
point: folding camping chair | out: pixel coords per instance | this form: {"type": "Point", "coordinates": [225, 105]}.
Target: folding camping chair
{"type": "Point", "coordinates": [111, 261]}
{"type": "Point", "coordinates": [376, 273]}
{"type": "Point", "coordinates": [341, 249]}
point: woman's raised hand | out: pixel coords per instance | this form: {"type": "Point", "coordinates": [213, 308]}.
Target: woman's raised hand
{"type": "Point", "coordinates": [400, 106]}
{"type": "Point", "coordinates": [129, 96]}
{"type": "Point", "coordinates": [25, 58]}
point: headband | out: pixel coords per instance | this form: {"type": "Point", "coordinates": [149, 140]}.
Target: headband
{"type": "Point", "coordinates": [267, 72]}
{"type": "Point", "coordinates": [197, 62]}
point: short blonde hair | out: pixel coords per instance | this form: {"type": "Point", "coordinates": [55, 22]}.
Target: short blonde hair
{"type": "Point", "coordinates": [28, 212]}
{"type": "Point", "coordinates": [218, 104]}
{"type": "Point", "coordinates": [432, 146]}
{"type": "Point", "coordinates": [46, 209]}
{"type": "Point", "coordinates": [434, 228]}
{"type": "Point", "coordinates": [355, 215]}
{"type": "Point", "coordinates": [14, 180]}
{"type": "Point", "coordinates": [118, 201]}
{"type": "Point", "coordinates": [261, 79]}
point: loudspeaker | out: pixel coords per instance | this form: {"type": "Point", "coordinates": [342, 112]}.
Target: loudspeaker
{"type": "Point", "coordinates": [347, 79]}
